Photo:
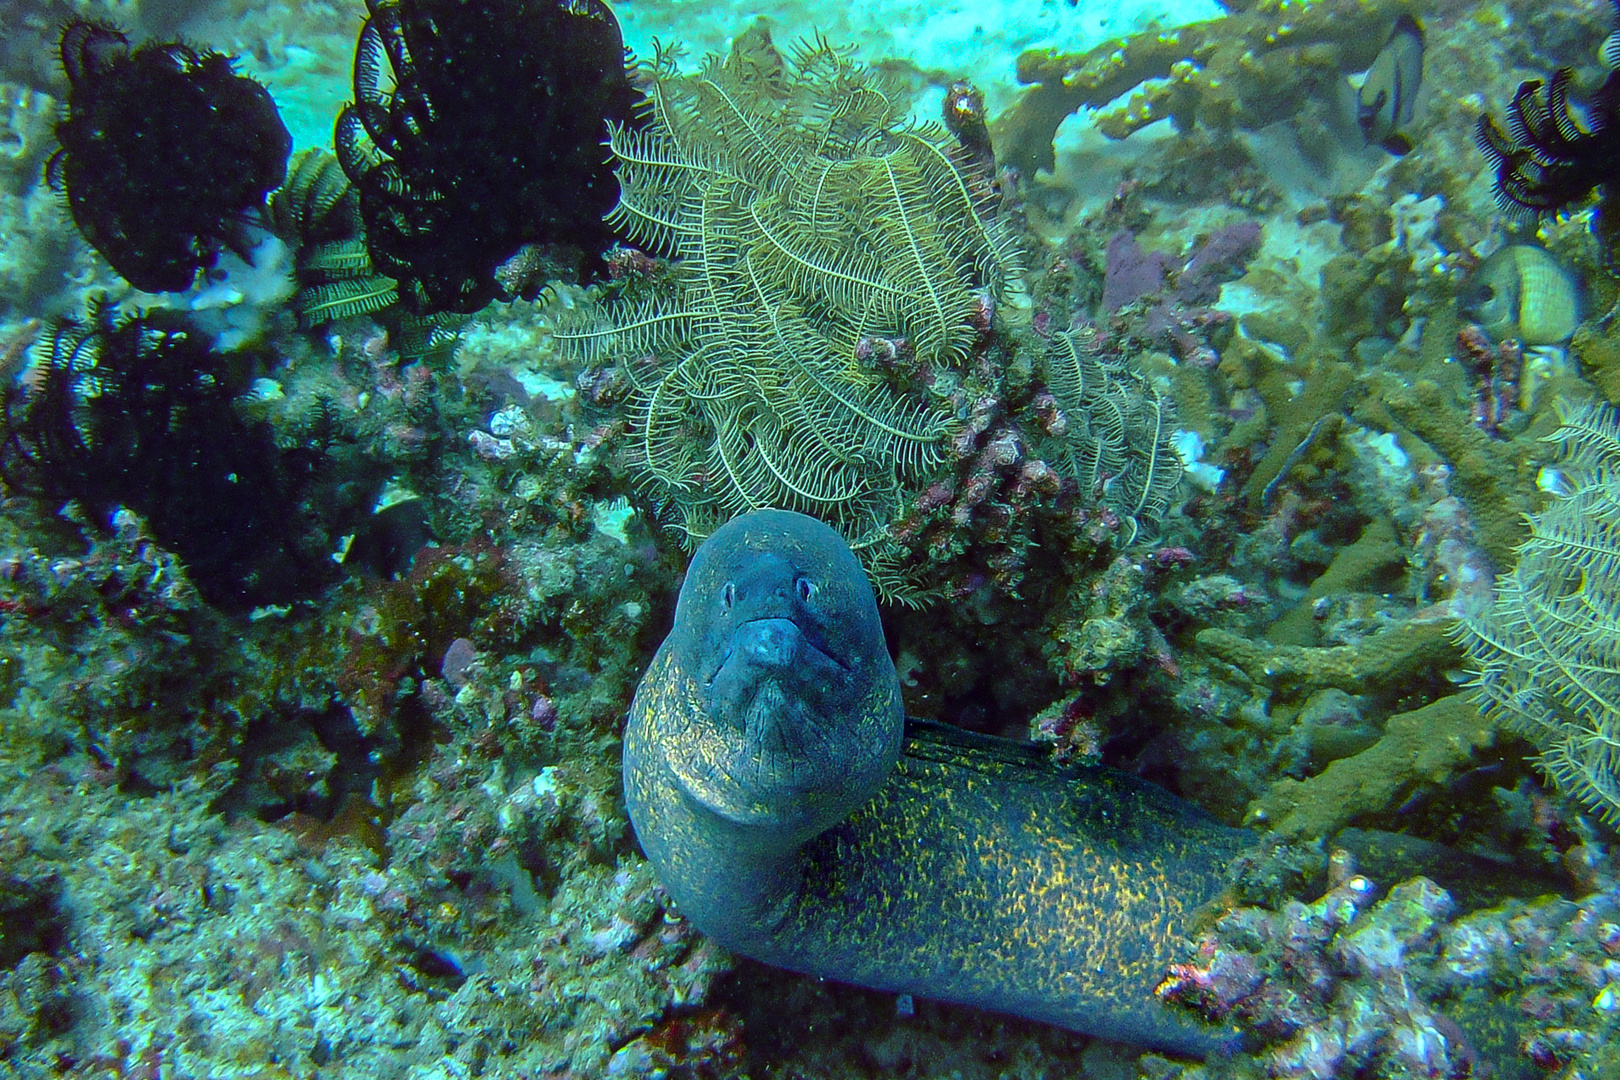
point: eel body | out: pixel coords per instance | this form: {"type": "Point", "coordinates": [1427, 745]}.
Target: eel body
{"type": "Point", "coordinates": [796, 817]}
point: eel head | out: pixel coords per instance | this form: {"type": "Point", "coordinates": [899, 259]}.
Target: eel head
{"type": "Point", "coordinates": [778, 635]}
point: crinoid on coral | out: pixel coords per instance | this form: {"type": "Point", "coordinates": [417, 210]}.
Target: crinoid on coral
{"type": "Point", "coordinates": [487, 145]}
{"type": "Point", "coordinates": [318, 211]}
{"type": "Point", "coordinates": [140, 413]}
{"type": "Point", "coordinates": [830, 260]}
{"type": "Point", "coordinates": [1259, 63]}
{"type": "Point", "coordinates": [1548, 652]}
{"type": "Point", "coordinates": [1117, 445]}
{"type": "Point", "coordinates": [1549, 159]}
{"type": "Point", "coordinates": [1552, 157]}
{"type": "Point", "coordinates": [166, 154]}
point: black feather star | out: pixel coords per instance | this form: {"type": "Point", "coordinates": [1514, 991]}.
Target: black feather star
{"type": "Point", "coordinates": [166, 153]}
{"type": "Point", "coordinates": [1550, 159]}
{"type": "Point", "coordinates": [141, 413]}
{"type": "Point", "coordinates": [1554, 156]}
{"type": "Point", "coordinates": [488, 145]}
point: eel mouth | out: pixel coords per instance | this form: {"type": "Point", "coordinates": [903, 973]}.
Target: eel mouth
{"type": "Point", "coordinates": [773, 643]}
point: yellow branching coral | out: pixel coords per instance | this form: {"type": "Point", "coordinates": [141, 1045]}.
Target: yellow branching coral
{"type": "Point", "coordinates": [1243, 71]}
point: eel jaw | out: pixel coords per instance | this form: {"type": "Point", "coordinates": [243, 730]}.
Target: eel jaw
{"type": "Point", "coordinates": [782, 715]}
{"type": "Point", "coordinates": [775, 644]}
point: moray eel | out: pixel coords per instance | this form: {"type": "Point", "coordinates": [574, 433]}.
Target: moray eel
{"type": "Point", "coordinates": [798, 818]}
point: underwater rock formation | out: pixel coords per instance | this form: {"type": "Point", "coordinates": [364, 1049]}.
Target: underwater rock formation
{"type": "Point", "coordinates": [165, 154]}
{"type": "Point", "coordinates": [487, 149]}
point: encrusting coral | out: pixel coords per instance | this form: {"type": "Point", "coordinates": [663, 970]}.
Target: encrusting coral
{"type": "Point", "coordinates": [1548, 652]}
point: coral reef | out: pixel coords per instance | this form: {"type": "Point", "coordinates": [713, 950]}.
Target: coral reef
{"type": "Point", "coordinates": [374, 827]}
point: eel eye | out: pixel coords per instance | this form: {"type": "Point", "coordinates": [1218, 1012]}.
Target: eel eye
{"type": "Point", "coordinates": [805, 588]}
{"type": "Point", "coordinates": [728, 596]}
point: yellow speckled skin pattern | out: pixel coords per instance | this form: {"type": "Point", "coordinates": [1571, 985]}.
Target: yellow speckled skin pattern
{"type": "Point", "coordinates": [954, 866]}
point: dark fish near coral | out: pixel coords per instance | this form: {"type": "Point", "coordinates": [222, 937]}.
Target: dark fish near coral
{"type": "Point", "coordinates": [799, 818]}
{"type": "Point", "coordinates": [1524, 292]}
{"type": "Point", "coordinates": [1388, 93]}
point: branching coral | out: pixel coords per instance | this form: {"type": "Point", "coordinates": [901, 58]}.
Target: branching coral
{"type": "Point", "coordinates": [1243, 71]}
{"type": "Point", "coordinates": [1548, 653]}
{"type": "Point", "coordinates": [1425, 746]}
{"type": "Point", "coordinates": [828, 254]}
